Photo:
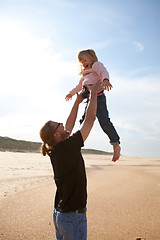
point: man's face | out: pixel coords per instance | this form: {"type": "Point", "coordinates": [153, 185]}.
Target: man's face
{"type": "Point", "coordinates": [59, 128]}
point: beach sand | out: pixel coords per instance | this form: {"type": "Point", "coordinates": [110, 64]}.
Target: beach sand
{"type": "Point", "coordinates": [123, 197]}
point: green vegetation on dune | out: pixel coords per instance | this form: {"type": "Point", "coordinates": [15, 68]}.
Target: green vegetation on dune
{"type": "Point", "coordinates": [13, 145]}
{"type": "Point", "coordinates": [94, 151]}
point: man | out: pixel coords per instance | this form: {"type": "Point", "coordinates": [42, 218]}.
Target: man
{"type": "Point", "coordinates": [69, 170]}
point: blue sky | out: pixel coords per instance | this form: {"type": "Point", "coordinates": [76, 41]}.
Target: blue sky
{"type": "Point", "coordinates": [39, 43]}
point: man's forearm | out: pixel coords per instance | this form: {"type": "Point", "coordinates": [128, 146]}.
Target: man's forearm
{"type": "Point", "coordinates": [91, 111]}
{"type": "Point", "coordinates": [72, 116]}
{"type": "Point", "coordinates": [90, 116]}
{"type": "Point", "coordinates": [92, 107]}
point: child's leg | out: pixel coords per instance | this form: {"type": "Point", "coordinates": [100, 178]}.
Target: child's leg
{"type": "Point", "coordinates": [104, 120]}
{"type": "Point", "coordinates": [116, 153]}
{"type": "Point", "coordinates": [107, 126]}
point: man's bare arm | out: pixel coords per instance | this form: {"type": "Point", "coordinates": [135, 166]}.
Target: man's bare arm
{"type": "Point", "coordinates": [73, 114]}
{"type": "Point", "coordinates": [91, 111]}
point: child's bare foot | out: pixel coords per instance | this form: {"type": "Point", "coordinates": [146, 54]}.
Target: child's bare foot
{"type": "Point", "coordinates": [116, 153]}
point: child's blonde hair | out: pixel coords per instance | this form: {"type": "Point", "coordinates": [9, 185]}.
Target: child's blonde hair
{"type": "Point", "coordinates": [90, 53]}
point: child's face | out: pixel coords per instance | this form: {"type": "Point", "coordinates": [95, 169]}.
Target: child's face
{"type": "Point", "coordinates": [86, 62]}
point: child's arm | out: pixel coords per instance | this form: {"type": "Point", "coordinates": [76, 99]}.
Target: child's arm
{"type": "Point", "coordinates": [74, 90]}
{"type": "Point", "coordinates": [106, 84]}
{"type": "Point", "coordinates": [103, 73]}
{"type": "Point", "coordinates": [68, 97]}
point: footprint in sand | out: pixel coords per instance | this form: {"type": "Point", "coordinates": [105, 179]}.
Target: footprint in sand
{"type": "Point", "coordinates": [140, 239]}
{"type": "Point", "coordinates": [5, 194]}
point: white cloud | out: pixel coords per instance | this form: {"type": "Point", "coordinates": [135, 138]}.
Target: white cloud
{"type": "Point", "coordinates": [31, 75]}
{"type": "Point", "coordinates": [28, 63]}
{"type": "Point", "coordinates": [139, 46]}
{"type": "Point", "coordinates": [134, 101]}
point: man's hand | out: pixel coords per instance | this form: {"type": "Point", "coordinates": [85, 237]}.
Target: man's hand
{"type": "Point", "coordinates": [79, 98]}
{"type": "Point", "coordinates": [97, 87]}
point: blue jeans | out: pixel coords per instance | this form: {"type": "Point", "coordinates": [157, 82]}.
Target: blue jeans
{"type": "Point", "coordinates": [104, 120]}
{"type": "Point", "coordinates": [70, 226]}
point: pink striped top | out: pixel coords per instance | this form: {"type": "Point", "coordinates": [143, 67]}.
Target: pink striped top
{"type": "Point", "coordinates": [91, 76]}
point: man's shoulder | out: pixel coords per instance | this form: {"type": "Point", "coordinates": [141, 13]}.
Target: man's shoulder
{"type": "Point", "coordinates": [72, 141]}
{"type": "Point", "coordinates": [77, 136]}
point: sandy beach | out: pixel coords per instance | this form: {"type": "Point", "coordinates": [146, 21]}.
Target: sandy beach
{"type": "Point", "coordinates": [123, 197]}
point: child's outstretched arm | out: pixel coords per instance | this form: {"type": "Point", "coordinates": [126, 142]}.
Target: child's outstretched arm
{"type": "Point", "coordinates": [74, 90]}
{"type": "Point", "coordinates": [68, 97]}
{"type": "Point", "coordinates": [106, 84]}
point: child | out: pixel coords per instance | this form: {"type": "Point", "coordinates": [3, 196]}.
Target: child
{"type": "Point", "coordinates": [92, 70]}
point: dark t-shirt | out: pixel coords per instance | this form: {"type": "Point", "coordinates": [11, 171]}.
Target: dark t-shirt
{"type": "Point", "coordinates": [69, 174]}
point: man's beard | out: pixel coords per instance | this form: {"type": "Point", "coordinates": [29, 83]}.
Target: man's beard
{"type": "Point", "coordinates": [64, 135]}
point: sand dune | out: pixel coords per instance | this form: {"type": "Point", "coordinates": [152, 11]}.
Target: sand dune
{"type": "Point", "coordinates": [123, 197]}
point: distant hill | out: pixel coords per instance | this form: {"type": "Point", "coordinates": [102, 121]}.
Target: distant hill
{"type": "Point", "coordinates": [94, 151]}
{"type": "Point", "coordinates": [13, 145]}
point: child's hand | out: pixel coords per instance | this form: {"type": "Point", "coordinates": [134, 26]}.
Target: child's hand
{"type": "Point", "coordinates": [68, 97]}
{"type": "Point", "coordinates": [106, 85]}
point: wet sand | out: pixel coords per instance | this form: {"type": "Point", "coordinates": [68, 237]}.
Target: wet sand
{"type": "Point", "coordinates": [123, 197]}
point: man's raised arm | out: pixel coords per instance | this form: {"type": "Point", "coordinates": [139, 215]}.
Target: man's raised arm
{"type": "Point", "coordinates": [73, 114]}
{"type": "Point", "coordinates": [91, 111]}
